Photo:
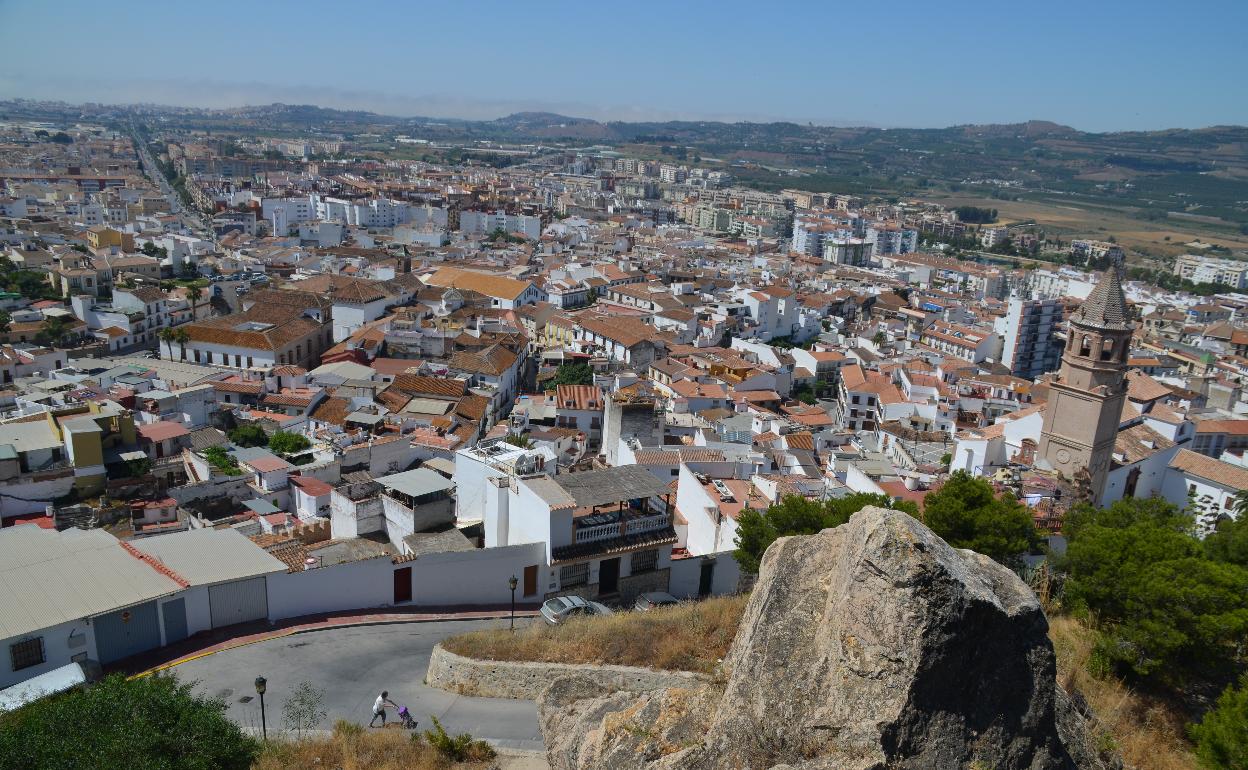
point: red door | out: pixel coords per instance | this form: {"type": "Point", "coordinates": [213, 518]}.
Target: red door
{"type": "Point", "coordinates": [402, 585]}
{"type": "Point", "coordinates": [530, 580]}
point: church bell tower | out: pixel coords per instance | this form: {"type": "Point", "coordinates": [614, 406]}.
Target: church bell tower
{"type": "Point", "coordinates": [1084, 410]}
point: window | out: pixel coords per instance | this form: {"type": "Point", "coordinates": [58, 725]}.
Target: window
{"type": "Point", "coordinates": [644, 561]}
{"type": "Point", "coordinates": [26, 653]}
{"type": "Point", "coordinates": [572, 575]}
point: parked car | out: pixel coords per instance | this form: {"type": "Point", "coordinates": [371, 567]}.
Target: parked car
{"type": "Point", "coordinates": [560, 608]}
{"type": "Point", "coordinates": [654, 599]}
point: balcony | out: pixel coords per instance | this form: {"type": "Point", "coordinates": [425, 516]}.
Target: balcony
{"type": "Point", "coordinates": [592, 528]}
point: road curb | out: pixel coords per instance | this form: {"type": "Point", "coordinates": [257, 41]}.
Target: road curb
{"type": "Point", "coordinates": [282, 633]}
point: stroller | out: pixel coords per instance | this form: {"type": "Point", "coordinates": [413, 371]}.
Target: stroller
{"type": "Point", "coordinates": [405, 718]}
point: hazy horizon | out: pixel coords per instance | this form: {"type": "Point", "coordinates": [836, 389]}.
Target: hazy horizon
{"type": "Point", "coordinates": [1110, 66]}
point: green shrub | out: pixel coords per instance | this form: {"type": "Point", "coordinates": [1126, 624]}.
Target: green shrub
{"type": "Point", "coordinates": [151, 723]}
{"type": "Point", "coordinates": [1222, 736]}
{"type": "Point", "coordinates": [458, 748]}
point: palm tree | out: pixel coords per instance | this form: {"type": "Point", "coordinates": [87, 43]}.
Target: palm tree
{"type": "Point", "coordinates": [181, 336]}
{"type": "Point", "coordinates": [1241, 503]}
{"type": "Point", "coordinates": [166, 336]}
{"type": "Point", "coordinates": [194, 294]}
{"type": "Point", "coordinates": [53, 330]}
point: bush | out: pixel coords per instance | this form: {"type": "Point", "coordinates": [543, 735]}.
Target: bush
{"type": "Point", "coordinates": [284, 443]}
{"type": "Point", "coordinates": [574, 374]}
{"type": "Point", "coordinates": [458, 748]}
{"type": "Point", "coordinates": [1222, 736]}
{"type": "Point", "coordinates": [249, 435]}
{"type": "Point", "coordinates": [152, 722]}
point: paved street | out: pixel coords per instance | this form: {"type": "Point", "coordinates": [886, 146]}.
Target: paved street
{"type": "Point", "coordinates": [353, 665]}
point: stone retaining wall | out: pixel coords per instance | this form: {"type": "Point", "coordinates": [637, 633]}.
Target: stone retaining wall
{"type": "Point", "coordinates": [506, 679]}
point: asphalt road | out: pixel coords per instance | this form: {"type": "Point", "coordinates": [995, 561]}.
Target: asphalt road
{"type": "Point", "coordinates": [352, 666]}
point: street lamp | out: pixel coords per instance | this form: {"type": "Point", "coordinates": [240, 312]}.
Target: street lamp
{"type": "Point", "coordinates": [261, 686]}
{"type": "Point", "coordinates": [513, 583]}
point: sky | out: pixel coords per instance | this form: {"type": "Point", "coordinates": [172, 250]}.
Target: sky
{"type": "Point", "coordinates": [1096, 65]}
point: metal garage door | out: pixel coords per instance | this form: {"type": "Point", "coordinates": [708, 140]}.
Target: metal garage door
{"type": "Point", "coordinates": [175, 620]}
{"type": "Point", "coordinates": [238, 602]}
{"type": "Point", "coordinates": [126, 632]}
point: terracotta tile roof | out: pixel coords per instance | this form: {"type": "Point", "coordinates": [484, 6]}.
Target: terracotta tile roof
{"type": "Point", "coordinates": [332, 410]}
{"type": "Point", "coordinates": [800, 441]}
{"type": "Point", "coordinates": [657, 457]}
{"type": "Point", "coordinates": [580, 397]}
{"type": "Point", "coordinates": [1139, 442]}
{"type": "Point", "coordinates": [314, 487]}
{"type": "Point", "coordinates": [422, 385]}
{"type": "Point", "coordinates": [1232, 427]}
{"type": "Point", "coordinates": [624, 330]}
{"type": "Point", "coordinates": [1210, 469]}
{"type": "Point", "coordinates": [1141, 387]}
{"type": "Point", "coordinates": [161, 431]}
{"type": "Point", "coordinates": [472, 407]}
{"type": "Point", "coordinates": [235, 386]}
{"type": "Point", "coordinates": [493, 361]}
{"type": "Point", "coordinates": [490, 285]}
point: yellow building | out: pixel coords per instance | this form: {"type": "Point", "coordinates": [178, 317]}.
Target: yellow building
{"type": "Point", "coordinates": [102, 237]}
{"type": "Point", "coordinates": [94, 435]}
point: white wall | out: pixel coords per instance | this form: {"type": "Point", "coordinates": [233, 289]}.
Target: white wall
{"type": "Point", "coordinates": [686, 573]}
{"type": "Point", "coordinates": [57, 651]}
{"type": "Point", "coordinates": [455, 578]}
{"type": "Point", "coordinates": [474, 577]}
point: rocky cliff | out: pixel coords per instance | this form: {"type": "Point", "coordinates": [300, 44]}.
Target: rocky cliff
{"type": "Point", "coordinates": [872, 645]}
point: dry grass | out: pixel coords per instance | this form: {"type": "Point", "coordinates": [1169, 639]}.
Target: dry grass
{"type": "Point", "coordinates": [692, 636]}
{"type": "Point", "coordinates": [1076, 220]}
{"type": "Point", "coordinates": [351, 747]}
{"type": "Point", "coordinates": [1147, 733]}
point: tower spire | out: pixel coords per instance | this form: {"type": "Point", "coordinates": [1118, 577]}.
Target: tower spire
{"type": "Point", "coordinates": [1106, 306]}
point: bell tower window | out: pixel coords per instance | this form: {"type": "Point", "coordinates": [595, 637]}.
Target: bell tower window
{"type": "Point", "coordinates": [1107, 350]}
{"type": "Point", "coordinates": [1085, 346]}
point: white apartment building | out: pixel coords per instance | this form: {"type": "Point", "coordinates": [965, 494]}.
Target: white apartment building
{"type": "Point", "coordinates": [484, 223]}
{"type": "Point", "coordinates": [891, 238]}
{"type": "Point", "coordinates": [1029, 330]}
{"type": "Point", "coordinates": [1203, 269]}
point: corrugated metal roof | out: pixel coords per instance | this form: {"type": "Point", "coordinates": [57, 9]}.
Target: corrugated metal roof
{"type": "Point", "coordinates": [207, 556]}
{"type": "Point", "coordinates": [420, 481]}
{"type": "Point", "coordinates": [49, 577]}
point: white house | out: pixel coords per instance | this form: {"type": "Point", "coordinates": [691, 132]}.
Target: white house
{"type": "Point", "coordinates": [607, 533]}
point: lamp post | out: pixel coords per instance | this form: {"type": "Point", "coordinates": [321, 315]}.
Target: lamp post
{"type": "Point", "coordinates": [261, 686]}
{"type": "Point", "coordinates": [513, 583]}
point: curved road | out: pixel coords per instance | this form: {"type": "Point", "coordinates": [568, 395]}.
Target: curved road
{"type": "Point", "coordinates": [352, 666]}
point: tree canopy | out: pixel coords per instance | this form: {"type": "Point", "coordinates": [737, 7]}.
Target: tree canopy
{"type": "Point", "coordinates": [574, 374]}
{"type": "Point", "coordinates": [285, 443]}
{"type": "Point", "coordinates": [1162, 604]}
{"type": "Point", "coordinates": [249, 435]}
{"type": "Point", "coordinates": [151, 723]}
{"type": "Point", "coordinates": [798, 516]}
{"type": "Point", "coordinates": [967, 513]}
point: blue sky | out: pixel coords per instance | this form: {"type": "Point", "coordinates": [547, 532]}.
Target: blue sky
{"type": "Point", "coordinates": [1096, 65]}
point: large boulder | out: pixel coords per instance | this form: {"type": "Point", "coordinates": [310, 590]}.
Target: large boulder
{"type": "Point", "coordinates": [871, 645]}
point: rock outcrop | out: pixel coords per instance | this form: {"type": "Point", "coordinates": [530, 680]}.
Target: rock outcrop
{"type": "Point", "coordinates": [872, 645]}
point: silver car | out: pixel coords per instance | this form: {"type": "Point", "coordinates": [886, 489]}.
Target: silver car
{"type": "Point", "coordinates": [557, 610]}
